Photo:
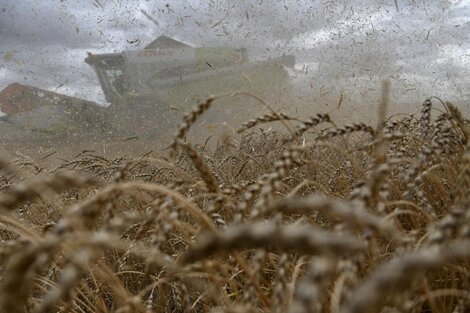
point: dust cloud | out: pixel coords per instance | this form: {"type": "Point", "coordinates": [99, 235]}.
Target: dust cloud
{"type": "Point", "coordinates": [299, 57]}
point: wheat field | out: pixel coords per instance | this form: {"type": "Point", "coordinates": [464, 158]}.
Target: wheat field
{"type": "Point", "coordinates": [312, 218]}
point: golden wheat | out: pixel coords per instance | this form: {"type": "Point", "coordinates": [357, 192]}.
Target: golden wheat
{"type": "Point", "coordinates": [322, 218]}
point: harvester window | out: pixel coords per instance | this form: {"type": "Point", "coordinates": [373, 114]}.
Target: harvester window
{"type": "Point", "coordinates": [116, 78]}
{"type": "Point", "coordinates": [173, 72]}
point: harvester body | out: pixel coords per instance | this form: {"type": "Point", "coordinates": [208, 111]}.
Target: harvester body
{"type": "Point", "coordinates": [150, 89]}
{"type": "Point", "coordinates": [148, 92]}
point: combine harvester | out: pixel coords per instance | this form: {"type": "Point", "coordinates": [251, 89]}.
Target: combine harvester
{"type": "Point", "coordinates": [149, 90]}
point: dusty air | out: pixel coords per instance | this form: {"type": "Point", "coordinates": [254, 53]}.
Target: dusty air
{"type": "Point", "coordinates": [220, 156]}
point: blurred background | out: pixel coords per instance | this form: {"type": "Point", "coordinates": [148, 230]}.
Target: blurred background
{"type": "Point", "coordinates": [342, 50]}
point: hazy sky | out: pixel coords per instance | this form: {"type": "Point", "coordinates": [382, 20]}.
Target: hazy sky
{"type": "Point", "coordinates": [422, 46]}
